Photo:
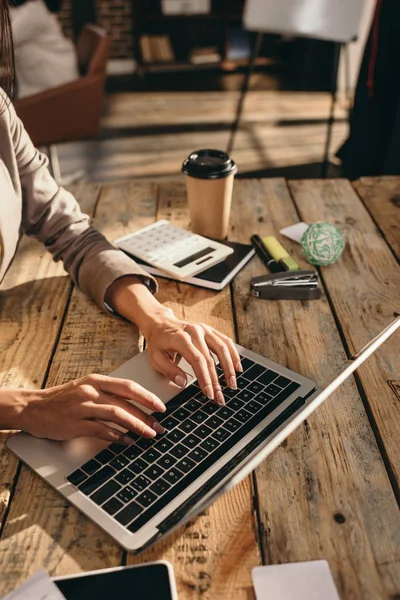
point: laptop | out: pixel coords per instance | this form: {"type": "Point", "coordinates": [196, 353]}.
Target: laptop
{"type": "Point", "coordinates": [144, 491]}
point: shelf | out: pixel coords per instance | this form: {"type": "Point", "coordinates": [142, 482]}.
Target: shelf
{"type": "Point", "coordinates": [205, 17]}
{"type": "Point", "coordinates": [225, 65]}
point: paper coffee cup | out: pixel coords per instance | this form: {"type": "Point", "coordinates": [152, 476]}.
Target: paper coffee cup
{"type": "Point", "coordinates": [209, 183]}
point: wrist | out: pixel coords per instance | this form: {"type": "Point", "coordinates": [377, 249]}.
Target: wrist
{"type": "Point", "coordinates": [13, 406]}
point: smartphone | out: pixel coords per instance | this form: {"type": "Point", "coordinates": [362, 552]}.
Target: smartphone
{"type": "Point", "coordinates": [152, 580]}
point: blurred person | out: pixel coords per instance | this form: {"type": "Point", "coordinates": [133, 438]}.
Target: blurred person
{"type": "Point", "coordinates": [31, 202]}
{"type": "Point", "coordinates": [44, 57]}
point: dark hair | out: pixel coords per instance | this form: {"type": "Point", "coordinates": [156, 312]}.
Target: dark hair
{"type": "Point", "coordinates": [7, 66]}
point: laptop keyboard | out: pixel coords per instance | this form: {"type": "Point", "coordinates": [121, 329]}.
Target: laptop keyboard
{"type": "Point", "coordinates": [132, 484]}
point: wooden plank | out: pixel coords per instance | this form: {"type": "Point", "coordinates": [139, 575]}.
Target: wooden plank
{"type": "Point", "coordinates": [364, 287]}
{"type": "Point", "coordinates": [42, 529]}
{"type": "Point", "coordinates": [33, 296]}
{"type": "Point", "coordinates": [324, 494]}
{"type": "Point", "coordinates": [381, 195]}
{"type": "Point", "coordinates": [213, 556]}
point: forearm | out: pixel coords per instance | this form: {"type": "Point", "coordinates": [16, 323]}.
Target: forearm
{"type": "Point", "coordinates": [13, 402]}
{"type": "Point", "coordinates": [131, 299]}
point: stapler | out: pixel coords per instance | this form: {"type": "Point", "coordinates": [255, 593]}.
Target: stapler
{"type": "Point", "coordinates": [288, 285]}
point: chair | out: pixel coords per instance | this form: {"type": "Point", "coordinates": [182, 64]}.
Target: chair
{"type": "Point", "coordinates": [337, 21]}
{"type": "Point", "coordinates": [72, 111]}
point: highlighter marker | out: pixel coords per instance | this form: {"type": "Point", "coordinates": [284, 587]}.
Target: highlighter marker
{"type": "Point", "coordinates": [265, 256]}
{"type": "Point", "coordinates": [279, 253]}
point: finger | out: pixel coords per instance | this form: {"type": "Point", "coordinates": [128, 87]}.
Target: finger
{"type": "Point", "coordinates": [124, 388]}
{"type": "Point", "coordinates": [140, 423]}
{"type": "Point", "coordinates": [101, 431]}
{"type": "Point", "coordinates": [221, 350]}
{"type": "Point", "coordinates": [198, 362]}
{"type": "Point", "coordinates": [200, 343]}
{"type": "Point", "coordinates": [163, 363]}
{"type": "Point", "coordinates": [235, 356]}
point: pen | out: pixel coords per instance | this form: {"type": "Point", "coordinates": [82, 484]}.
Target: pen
{"type": "Point", "coordinates": [279, 253]}
{"type": "Point", "coordinates": [265, 256]}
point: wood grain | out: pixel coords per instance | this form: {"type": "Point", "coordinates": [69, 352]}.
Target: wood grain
{"type": "Point", "coordinates": [33, 296]}
{"type": "Point", "coordinates": [381, 195]}
{"type": "Point", "coordinates": [364, 288]}
{"type": "Point", "coordinates": [324, 494]}
{"type": "Point", "coordinates": [213, 556]}
{"type": "Point", "coordinates": [42, 529]}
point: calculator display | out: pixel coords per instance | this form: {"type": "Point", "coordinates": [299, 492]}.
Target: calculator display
{"type": "Point", "coordinates": [194, 257]}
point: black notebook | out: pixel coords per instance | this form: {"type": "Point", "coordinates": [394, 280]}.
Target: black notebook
{"type": "Point", "coordinates": [216, 277]}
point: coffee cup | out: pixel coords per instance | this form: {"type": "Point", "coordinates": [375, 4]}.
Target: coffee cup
{"type": "Point", "coordinates": [209, 183]}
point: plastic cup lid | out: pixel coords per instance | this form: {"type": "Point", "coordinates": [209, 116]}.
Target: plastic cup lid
{"type": "Point", "coordinates": [209, 164]}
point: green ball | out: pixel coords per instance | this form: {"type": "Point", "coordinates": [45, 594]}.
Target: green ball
{"type": "Point", "coordinates": [322, 244]}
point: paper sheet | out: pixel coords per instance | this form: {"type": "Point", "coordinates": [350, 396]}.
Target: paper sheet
{"type": "Point", "coordinates": [37, 587]}
{"type": "Point", "coordinates": [295, 232]}
{"type": "Point", "coordinates": [296, 581]}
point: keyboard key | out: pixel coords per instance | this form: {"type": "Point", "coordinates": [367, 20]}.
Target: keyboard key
{"type": "Point", "coordinates": [228, 393]}
{"type": "Point", "coordinates": [181, 414]}
{"type": "Point", "coordinates": [209, 445]}
{"type": "Point", "coordinates": [263, 398]}
{"type": "Point", "coordinates": [167, 461]}
{"type": "Point", "coordinates": [140, 483]}
{"type": "Point", "coordinates": [170, 423]}
{"type": "Point", "coordinates": [282, 381]}
{"type": "Point", "coordinates": [77, 477]}
{"type": "Point", "coordinates": [192, 405]}
{"type": "Point", "coordinates": [255, 387]}
{"type": "Point", "coordinates": [199, 417]}
{"type": "Point", "coordinates": [232, 425]}
{"type": "Point", "coordinates": [246, 363]}
{"type": "Point", "coordinates": [153, 472]}
{"type": "Point", "coordinates": [176, 436]}
{"type": "Point", "coordinates": [146, 498]}
{"type": "Point", "coordinates": [173, 475]}
{"type": "Point", "coordinates": [129, 513]}
{"type": "Point", "coordinates": [119, 462]}
{"type": "Point", "coordinates": [198, 455]}
{"type": "Point", "coordinates": [235, 403]}
{"type": "Point", "coordinates": [253, 406]}
{"type": "Point", "coordinates": [245, 395]}
{"type": "Point", "coordinates": [164, 445]}
{"type": "Point", "coordinates": [151, 455]}
{"type": "Point", "coordinates": [225, 412]}
{"type": "Point", "coordinates": [179, 451]}
{"type": "Point", "coordinates": [221, 435]}
{"type": "Point", "coordinates": [105, 492]}
{"type": "Point", "coordinates": [191, 440]}
{"type": "Point", "coordinates": [112, 506]}
{"type": "Point", "coordinates": [104, 456]}
{"type": "Point", "coordinates": [145, 443]}
{"type": "Point", "coordinates": [116, 448]}
{"type": "Point", "coordinates": [267, 377]}
{"type": "Point", "coordinates": [242, 382]}
{"type": "Point", "coordinates": [188, 426]}
{"type": "Point", "coordinates": [214, 422]}
{"type": "Point", "coordinates": [96, 480]}
{"type": "Point", "coordinates": [203, 431]}
{"type": "Point", "coordinates": [273, 389]}
{"type": "Point", "coordinates": [132, 452]}
{"type": "Point", "coordinates": [160, 486]}
{"type": "Point", "coordinates": [127, 494]}
{"type": "Point", "coordinates": [138, 466]}
{"type": "Point", "coordinates": [243, 415]}
{"type": "Point", "coordinates": [125, 476]}
{"type": "Point", "coordinates": [254, 372]}
{"type": "Point", "coordinates": [185, 465]}
{"type": "Point", "coordinates": [210, 407]}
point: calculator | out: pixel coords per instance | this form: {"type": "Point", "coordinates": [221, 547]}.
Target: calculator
{"type": "Point", "coordinates": [176, 251]}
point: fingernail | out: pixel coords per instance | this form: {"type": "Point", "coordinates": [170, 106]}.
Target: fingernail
{"type": "Point", "coordinates": [239, 368]}
{"type": "Point", "coordinates": [220, 399]}
{"type": "Point", "coordinates": [210, 392]}
{"type": "Point", "coordinates": [157, 427]}
{"type": "Point", "coordinates": [127, 440]}
{"type": "Point", "coordinates": [181, 381]}
{"type": "Point", "coordinates": [233, 383]}
{"type": "Point", "coordinates": [159, 406]}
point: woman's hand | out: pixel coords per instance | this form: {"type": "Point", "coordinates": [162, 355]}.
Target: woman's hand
{"type": "Point", "coordinates": [169, 338]}
{"type": "Point", "coordinates": [78, 408]}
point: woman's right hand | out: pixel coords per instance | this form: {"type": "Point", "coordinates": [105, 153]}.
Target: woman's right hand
{"type": "Point", "coordinates": [78, 408]}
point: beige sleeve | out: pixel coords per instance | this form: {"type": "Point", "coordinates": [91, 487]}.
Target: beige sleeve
{"type": "Point", "coordinates": [52, 215]}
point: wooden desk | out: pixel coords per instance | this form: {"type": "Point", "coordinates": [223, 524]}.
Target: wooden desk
{"type": "Point", "coordinates": [329, 492]}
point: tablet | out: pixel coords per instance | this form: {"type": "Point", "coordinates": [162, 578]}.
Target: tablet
{"type": "Point", "coordinates": [152, 580]}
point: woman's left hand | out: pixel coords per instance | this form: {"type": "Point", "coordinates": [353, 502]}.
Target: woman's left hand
{"type": "Point", "coordinates": [169, 338]}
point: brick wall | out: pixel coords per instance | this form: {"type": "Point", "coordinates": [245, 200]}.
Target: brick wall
{"type": "Point", "coordinates": [115, 16]}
